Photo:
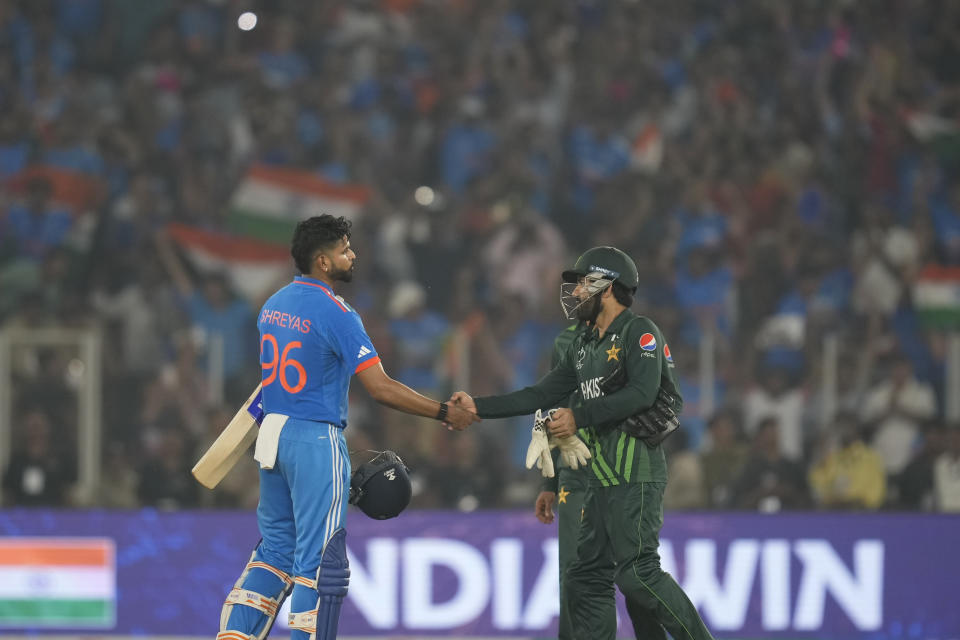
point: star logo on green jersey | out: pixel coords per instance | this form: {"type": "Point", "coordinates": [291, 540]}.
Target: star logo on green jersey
{"type": "Point", "coordinates": [612, 353]}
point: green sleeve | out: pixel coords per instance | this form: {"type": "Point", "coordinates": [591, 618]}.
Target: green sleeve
{"type": "Point", "coordinates": [550, 391]}
{"type": "Point", "coordinates": [643, 380]}
{"type": "Point", "coordinates": [675, 391]}
{"type": "Point", "coordinates": [561, 345]}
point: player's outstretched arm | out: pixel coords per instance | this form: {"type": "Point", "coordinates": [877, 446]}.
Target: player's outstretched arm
{"type": "Point", "coordinates": [549, 391]}
{"type": "Point", "coordinates": [397, 395]}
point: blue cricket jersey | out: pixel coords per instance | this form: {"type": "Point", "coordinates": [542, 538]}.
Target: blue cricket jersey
{"type": "Point", "coordinates": [311, 344]}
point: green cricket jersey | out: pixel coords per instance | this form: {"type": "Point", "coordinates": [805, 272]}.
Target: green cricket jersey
{"type": "Point", "coordinates": [636, 342]}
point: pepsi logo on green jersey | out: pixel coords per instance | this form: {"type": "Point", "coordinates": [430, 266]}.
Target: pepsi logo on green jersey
{"type": "Point", "coordinates": [648, 342]}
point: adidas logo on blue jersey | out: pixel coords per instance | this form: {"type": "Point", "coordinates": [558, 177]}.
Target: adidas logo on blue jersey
{"type": "Point", "coordinates": [363, 352]}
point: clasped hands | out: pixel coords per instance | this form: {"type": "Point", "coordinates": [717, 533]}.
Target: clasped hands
{"type": "Point", "coordinates": [459, 417]}
{"type": "Point", "coordinates": [560, 422]}
{"type": "Point", "coordinates": [562, 428]}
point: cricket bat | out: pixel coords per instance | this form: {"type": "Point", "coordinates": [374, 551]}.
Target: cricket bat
{"type": "Point", "coordinates": [231, 444]}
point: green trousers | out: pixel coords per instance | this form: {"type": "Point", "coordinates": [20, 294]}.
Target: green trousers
{"type": "Point", "coordinates": [572, 488]}
{"type": "Point", "coordinates": [617, 543]}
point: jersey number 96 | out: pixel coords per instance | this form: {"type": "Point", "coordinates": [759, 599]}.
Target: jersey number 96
{"type": "Point", "coordinates": [281, 362]}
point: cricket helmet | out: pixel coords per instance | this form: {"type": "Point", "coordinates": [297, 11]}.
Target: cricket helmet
{"type": "Point", "coordinates": [381, 486]}
{"type": "Point", "coordinates": [609, 263]}
{"type": "Point", "coordinates": [599, 268]}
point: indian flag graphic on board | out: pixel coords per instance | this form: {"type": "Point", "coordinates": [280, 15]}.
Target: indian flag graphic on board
{"type": "Point", "coordinates": [57, 582]}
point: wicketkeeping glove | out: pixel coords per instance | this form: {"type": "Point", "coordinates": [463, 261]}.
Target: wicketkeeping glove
{"type": "Point", "coordinates": [656, 423]}
{"type": "Point", "coordinates": [572, 451]}
{"type": "Point", "coordinates": [538, 451]}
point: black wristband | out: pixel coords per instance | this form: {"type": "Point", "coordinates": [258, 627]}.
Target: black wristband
{"type": "Point", "coordinates": [442, 413]}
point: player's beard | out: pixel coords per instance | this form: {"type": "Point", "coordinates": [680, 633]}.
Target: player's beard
{"type": "Point", "coordinates": [343, 275]}
{"type": "Point", "coordinates": [589, 309]}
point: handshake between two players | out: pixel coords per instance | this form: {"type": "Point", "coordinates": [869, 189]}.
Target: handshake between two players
{"type": "Point", "coordinates": [555, 428]}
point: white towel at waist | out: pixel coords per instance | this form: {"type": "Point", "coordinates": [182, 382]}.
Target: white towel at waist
{"type": "Point", "coordinates": [268, 440]}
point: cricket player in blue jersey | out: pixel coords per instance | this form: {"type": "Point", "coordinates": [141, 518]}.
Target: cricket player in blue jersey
{"type": "Point", "coordinates": [311, 343]}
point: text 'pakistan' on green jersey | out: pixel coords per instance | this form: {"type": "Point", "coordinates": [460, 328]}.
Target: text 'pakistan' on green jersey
{"type": "Point", "coordinates": [637, 344]}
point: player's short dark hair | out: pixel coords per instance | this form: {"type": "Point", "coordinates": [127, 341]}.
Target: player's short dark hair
{"type": "Point", "coordinates": [316, 234]}
{"type": "Point", "coordinates": [622, 294]}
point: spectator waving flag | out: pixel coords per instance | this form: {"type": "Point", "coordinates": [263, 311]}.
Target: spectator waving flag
{"type": "Point", "coordinates": [936, 296]}
{"type": "Point", "coordinates": [251, 265]}
{"type": "Point", "coordinates": [271, 200]}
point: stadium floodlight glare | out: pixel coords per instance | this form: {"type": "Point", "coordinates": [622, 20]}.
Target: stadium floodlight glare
{"type": "Point", "coordinates": [424, 196]}
{"type": "Point", "coordinates": [247, 21]}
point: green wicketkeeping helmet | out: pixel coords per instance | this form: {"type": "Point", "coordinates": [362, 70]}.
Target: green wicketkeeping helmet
{"type": "Point", "coordinates": [610, 262]}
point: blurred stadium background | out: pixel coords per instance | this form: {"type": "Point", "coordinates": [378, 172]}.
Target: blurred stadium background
{"type": "Point", "coordinates": [785, 174]}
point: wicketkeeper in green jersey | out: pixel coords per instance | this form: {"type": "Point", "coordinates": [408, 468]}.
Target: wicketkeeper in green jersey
{"type": "Point", "coordinates": [563, 488]}
{"type": "Point", "coordinates": [624, 372]}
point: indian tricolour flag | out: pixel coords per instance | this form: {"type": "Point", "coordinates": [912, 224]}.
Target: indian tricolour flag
{"type": "Point", "coordinates": [254, 268]}
{"type": "Point", "coordinates": [936, 296]}
{"type": "Point", "coordinates": [271, 200]}
{"type": "Point", "coordinates": [57, 582]}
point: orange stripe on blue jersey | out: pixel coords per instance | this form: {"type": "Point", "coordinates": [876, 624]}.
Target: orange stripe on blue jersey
{"type": "Point", "coordinates": [366, 364]}
{"type": "Point", "coordinates": [326, 291]}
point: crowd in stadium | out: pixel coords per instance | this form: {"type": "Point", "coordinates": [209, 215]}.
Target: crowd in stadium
{"type": "Point", "coordinates": [782, 173]}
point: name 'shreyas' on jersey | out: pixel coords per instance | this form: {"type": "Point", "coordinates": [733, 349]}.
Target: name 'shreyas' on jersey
{"type": "Point", "coordinates": [311, 343]}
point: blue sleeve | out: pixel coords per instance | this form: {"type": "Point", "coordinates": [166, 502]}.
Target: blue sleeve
{"type": "Point", "coordinates": [351, 342]}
